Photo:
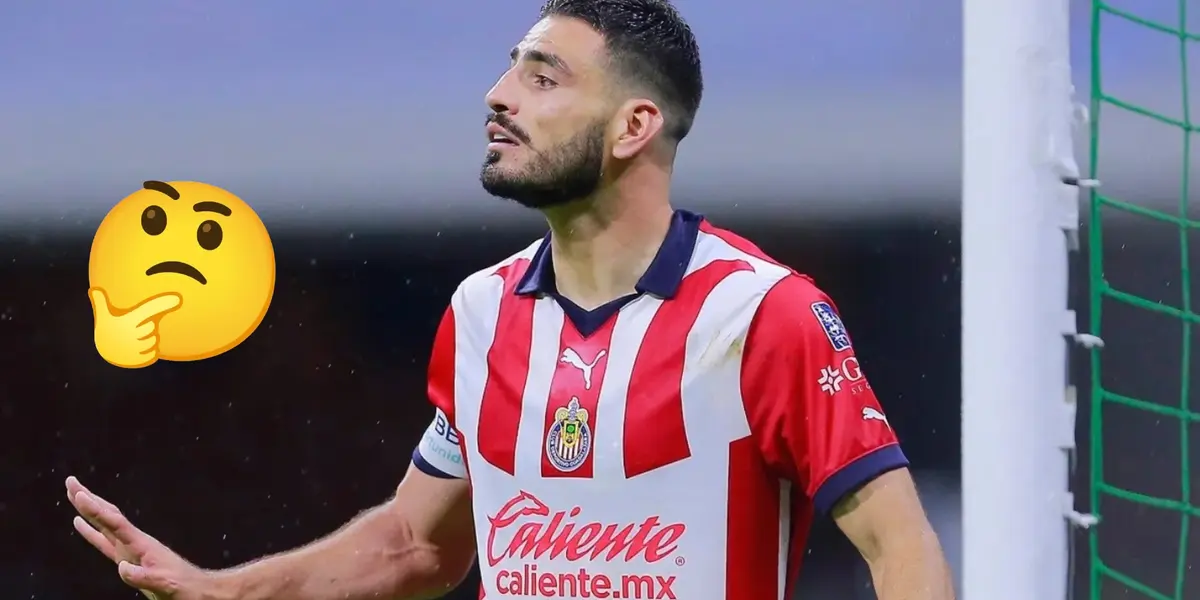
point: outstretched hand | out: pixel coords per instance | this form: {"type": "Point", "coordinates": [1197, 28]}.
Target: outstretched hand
{"type": "Point", "coordinates": [142, 561]}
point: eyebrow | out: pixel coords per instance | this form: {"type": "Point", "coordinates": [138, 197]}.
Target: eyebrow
{"type": "Point", "coordinates": [209, 206]}
{"type": "Point", "coordinates": [540, 56]}
{"type": "Point", "coordinates": [162, 188]}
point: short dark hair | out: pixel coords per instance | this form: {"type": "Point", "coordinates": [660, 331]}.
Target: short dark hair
{"type": "Point", "coordinates": [650, 45]}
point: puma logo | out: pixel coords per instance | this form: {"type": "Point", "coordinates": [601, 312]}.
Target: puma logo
{"type": "Point", "coordinates": [869, 413]}
{"type": "Point", "coordinates": [571, 357]}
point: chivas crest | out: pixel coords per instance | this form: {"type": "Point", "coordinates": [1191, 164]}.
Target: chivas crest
{"type": "Point", "coordinates": [570, 437]}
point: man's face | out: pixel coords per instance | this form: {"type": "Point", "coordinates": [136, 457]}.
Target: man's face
{"type": "Point", "coordinates": [546, 131]}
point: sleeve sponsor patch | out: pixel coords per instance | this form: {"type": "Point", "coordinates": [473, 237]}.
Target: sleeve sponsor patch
{"type": "Point", "coordinates": [440, 449]}
{"type": "Point", "coordinates": [832, 324]}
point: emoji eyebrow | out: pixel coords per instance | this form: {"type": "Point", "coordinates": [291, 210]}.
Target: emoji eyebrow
{"type": "Point", "coordinates": [209, 206]}
{"type": "Point", "coordinates": [162, 188]}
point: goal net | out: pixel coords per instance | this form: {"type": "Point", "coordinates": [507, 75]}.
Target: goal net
{"type": "Point", "coordinates": [1156, 553]}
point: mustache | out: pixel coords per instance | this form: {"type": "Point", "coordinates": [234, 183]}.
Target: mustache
{"type": "Point", "coordinates": [507, 123]}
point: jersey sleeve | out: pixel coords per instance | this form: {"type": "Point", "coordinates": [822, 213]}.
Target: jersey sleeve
{"type": "Point", "coordinates": [439, 453]}
{"type": "Point", "coordinates": [812, 412]}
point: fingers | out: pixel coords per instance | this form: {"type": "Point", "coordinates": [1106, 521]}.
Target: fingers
{"type": "Point", "coordinates": [92, 531]}
{"type": "Point", "coordinates": [146, 337]}
{"type": "Point", "coordinates": [99, 300]}
{"type": "Point", "coordinates": [106, 517]}
{"type": "Point", "coordinates": [141, 314]}
{"type": "Point", "coordinates": [74, 486]}
{"type": "Point", "coordinates": [155, 307]}
{"type": "Point", "coordinates": [96, 539]}
{"type": "Point", "coordinates": [146, 579]}
{"type": "Point", "coordinates": [144, 331]}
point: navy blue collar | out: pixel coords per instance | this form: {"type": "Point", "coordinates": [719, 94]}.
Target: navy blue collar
{"type": "Point", "coordinates": [661, 279]}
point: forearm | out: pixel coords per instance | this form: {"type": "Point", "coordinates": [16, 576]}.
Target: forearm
{"type": "Point", "coordinates": [373, 557]}
{"type": "Point", "coordinates": [915, 572]}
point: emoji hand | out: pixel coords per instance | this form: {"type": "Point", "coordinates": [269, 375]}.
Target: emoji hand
{"type": "Point", "coordinates": [129, 339]}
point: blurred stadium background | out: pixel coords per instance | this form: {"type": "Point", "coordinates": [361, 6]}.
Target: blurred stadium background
{"type": "Point", "coordinates": [829, 134]}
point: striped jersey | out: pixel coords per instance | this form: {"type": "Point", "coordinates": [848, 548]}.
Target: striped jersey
{"type": "Point", "coordinates": [675, 443]}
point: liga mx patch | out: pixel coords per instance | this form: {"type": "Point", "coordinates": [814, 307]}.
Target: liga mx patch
{"type": "Point", "coordinates": [832, 324]}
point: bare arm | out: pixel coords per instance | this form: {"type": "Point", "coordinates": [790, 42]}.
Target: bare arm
{"type": "Point", "coordinates": [885, 521]}
{"type": "Point", "coordinates": [418, 545]}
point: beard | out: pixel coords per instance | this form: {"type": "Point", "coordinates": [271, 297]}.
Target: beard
{"type": "Point", "coordinates": [559, 175]}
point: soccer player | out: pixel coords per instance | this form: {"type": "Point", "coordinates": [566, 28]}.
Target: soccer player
{"type": "Point", "coordinates": [639, 405]}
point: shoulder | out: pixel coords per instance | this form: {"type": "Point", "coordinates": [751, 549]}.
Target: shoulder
{"type": "Point", "coordinates": [796, 316]}
{"type": "Point", "coordinates": [781, 291]}
{"type": "Point", "coordinates": [797, 296]}
{"type": "Point", "coordinates": [753, 272]}
{"type": "Point", "coordinates": [486, 285]}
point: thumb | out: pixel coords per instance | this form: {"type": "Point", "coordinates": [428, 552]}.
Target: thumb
{"type": "Point", "coordinates": [99, 302]}
{"type": "Point", "coordinates": [144, 579]}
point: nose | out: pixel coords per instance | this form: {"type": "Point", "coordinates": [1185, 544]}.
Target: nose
{"type": "Point", "coordinates": [502, 97]}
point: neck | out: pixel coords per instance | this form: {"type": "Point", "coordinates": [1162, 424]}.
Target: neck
{"type": "Point", "coordinates": [601, 246]}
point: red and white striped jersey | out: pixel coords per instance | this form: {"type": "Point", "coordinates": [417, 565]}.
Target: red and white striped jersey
{"type": "Point", "coordinates": [675, 444]}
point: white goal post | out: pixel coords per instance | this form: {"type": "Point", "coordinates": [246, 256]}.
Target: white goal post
{"type": "Point", "coordinates": [1019, 222]}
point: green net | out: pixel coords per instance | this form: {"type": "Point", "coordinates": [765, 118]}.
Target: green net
{"type": "Point", "coordinates": [1108, 580]}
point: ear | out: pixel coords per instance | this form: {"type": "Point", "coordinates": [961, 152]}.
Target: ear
{"type": "Point", "coordinates": [635, 126]}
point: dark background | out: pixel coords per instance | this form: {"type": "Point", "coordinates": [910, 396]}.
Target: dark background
{"type": "Point", "coordinates": [314, 417]}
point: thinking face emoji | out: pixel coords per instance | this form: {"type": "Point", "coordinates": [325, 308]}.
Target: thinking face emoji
{"type": "Point", "coordinates": [179, 271]}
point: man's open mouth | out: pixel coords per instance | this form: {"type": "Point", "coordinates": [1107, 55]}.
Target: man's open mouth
{"type": "Point", "coordinates": [174, 266]}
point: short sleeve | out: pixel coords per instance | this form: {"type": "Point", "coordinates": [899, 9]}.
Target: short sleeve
{"type": "Point", "coordinates": [439, 453]}
{"type": "Point", "coordinates": [812, 411]}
